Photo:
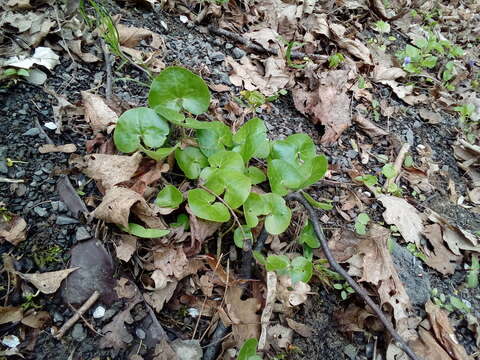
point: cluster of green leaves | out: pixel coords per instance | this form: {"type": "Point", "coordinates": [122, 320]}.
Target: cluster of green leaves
{"type": "Point", "coordinates": [466, 112]}
{"type": "Point", "coordinates": [389, 172]}
{"type": "Point", "coordinates": [335, 60]}
{"type": "Point", "coordinates": [255, 98]}
{"type": "Point", "coordinates": [47, 256]}
{"type": "Point", "coordinates": [453, 304]}
{"type": "Point", "coordinates": [221, 164]}
{"type": "Point", "coordinates": [361, 223]}
{"type": "Point", "coordinates": [10, 72]}
{"type": "Point", "coordinates": [249, 350]}
{"type": "Point", "coordinates": [425, 54]}
{"type": "Point", "coordinates": [344, 289]}
{"type": "Point", "coordinates": [473, 271]}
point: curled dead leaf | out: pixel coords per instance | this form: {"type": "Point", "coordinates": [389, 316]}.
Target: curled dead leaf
{"type": "Point", "coordinates": [49, 282]}
{"type": "Point", "coordinates": [97, 113]}
{"type": "Point", "coordinates": [14, 230]}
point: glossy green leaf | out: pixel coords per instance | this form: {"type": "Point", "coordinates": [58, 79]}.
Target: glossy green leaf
{"type": "Point", "coordinates": [279, 215]}
{"type": "Point", "coordinates": [159, 154]}
{"type": "Point", "coordinates": [251, 140]}
{"type": "Point", "coordinates": [169, 114]}
{"type": "Point", "coordinates": [249, 350]}
{"type": "Point", "coordinates": [203, 205]}
{"type": "Point", "coordinates": [226, 160]}
{"type": "Point", "coordinates": [260, 257]}
{"type": "Point", "coordinates": [23, 72]}
{"type": "Point", "coordinates": [368, 180]}
{"type": "Point", "coordinates": [254, 207]}
{"type": "Point", "coordinates": [256, 175]}
{"type": "Point", "coordinates": [307, 236]}
{"type": "Point", "coordinates": [388, 170]}
{"type": "Point", "coordinates": [177, 88]}
{"type": "Point", "coordinates": [235, 184]}
{"type": "Point", "coordinates": [283, 176]}
{"type": "Point", "coordinates": [316, 168]}
{"type": "Point", "coordinates": [302, 270]}
{"type": "Point", "coordinates": [182, 220]}
{"type": "Point", "coordinates": [140, 231]}
{"type": "Point", "coordinates": [191, 161]}
{"type": "Point", "coordinates": [169, 197]}
{"type": "Point", "coordinates": [277, 262]}
{"type": "Point", "coordinates": [361, 223]}
{"type": "Point", "coordinates": [317, 204]}
{"type": "Point", "coordinates": [214, 138]}
{"type": "Point", "coordinates": [241, 234]}
{"type": "Point", "coordinates": [137, 125]}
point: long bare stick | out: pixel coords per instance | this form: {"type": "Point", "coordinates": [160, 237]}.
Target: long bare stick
{"type": "Point", "coordinates": [358, 289]}
{"type": "Point", "coordinates": [398, 164]}
{"type": "Point", "coordinates": [70, 322]}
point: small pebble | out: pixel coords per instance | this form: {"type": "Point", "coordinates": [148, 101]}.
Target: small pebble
{"type": "Point", "coordinates": [140, 333]}
{"type": "Point", "coordinates": [65, 220]}
{"type": "Point", "coordinates": [99, 312]}
{"type": "Point", "coordinates": [11, 341]}
{"type": "Point", "coordinates": [238, 53]}
{"type": "Point", "coordinates": [32, 132]}
{"type": "Point", "coordinates": [57, 317]}
{"type": "Point", "coordinates": [40, 211]}
{"type": "Point", "coordinates": [228, 46]}
{"type": "Point", "coordinates": [82, 234]}
{"type": "Point", "coordinates": [50, 125]}
{"type": "Point", "coordinates": [78, 332]}
{"type": "Point", "coordinates": [217, 56]}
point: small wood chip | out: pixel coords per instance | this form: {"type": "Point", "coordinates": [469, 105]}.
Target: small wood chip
{"type": "Point", "coordinates": [49, 148]}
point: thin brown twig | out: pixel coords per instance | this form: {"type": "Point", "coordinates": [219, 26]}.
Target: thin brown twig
{"type": "Point", "coordinates": [398, 164]}
{"type": "Point", "coordinates": [89, 325]}
{"type": "Point", "coordinates": [358, 289]}
{"type": "Point", "coordinates": [70, 322]}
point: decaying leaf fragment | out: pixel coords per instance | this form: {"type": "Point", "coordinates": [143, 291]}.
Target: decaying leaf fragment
{"type": "Point", "coordinates": [441, 258]}
{"type": "Point", "coordinates": [49, 282]}
{"type": "Point", "coordinates": [49, 148]}
{"type": "Point", "coordinates": [131, 36]}
{"type": "Point", "coordinates": [97, 113]}
{"type": "Point", "coordinates": [374, 264]}
{"type": "Point", "coordinates": [328, 105]}
{"type": "Point", "coordinates": [14, 230]}
{"type": "Point", "coordinates": [126, 247]}
{"type": "Point", "coordinates": [10, 314]}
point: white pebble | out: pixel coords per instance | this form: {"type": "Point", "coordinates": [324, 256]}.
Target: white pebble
{"type": "Point", "coordinates": [11, 341]}
{"type": "Point", "coordinates": [183, 19]}
{"type": "Point", "coordinates": [50, 125]}
{"type": "Point", "coordinates": [193, 312]}
{"type": "Point", "coordinates": [99, 312]}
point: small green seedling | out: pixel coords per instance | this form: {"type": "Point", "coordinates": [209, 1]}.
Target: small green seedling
{"type": "Point", "coordinates": [249, 350]}
{"type": "Point", "coordinates": [345, 290]}
{"type": "Point", "coordinates": [288, 55]}
{"type": "Point", "coordinates": [415, 252]}
{"type": "Point", "coordinates": [335, 60]}
{"type": "Point", "coordinates": [465, 111]}
{"type": "Point", "coordinates": [382, 27]}
{"type": "Point", "coordinates": [472, 272]}
{"type": "Point", "coordinates": [299, 269]}
{"type": "Point", "coordinates": [29, 301]}
{"type": "Point", "coordinates": [361, 223]}
{"type": "Point", "coordinates": [455, 303]}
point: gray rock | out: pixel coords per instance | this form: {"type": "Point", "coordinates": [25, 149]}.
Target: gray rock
{"type": "Point", "coordinates": [3, 167]}
{"type": "Point", "coordinates": [217, 56]}
{"type": "Point", "coordinates": [187, 349]}
{"type": "Point", "coordinates": [109, 314]}
{"type": "Point", "coordinates": [19, 174]}
{"type": "Point", "coordinates": [352, 154]}
{"type": "Point", "coordinates": [82, 234]}
{"type": "Point", "coordinates": [78, 332]}
{"type": "Point", "coordinates": [228, 46]}
{"type": "Point", "coordinates": [238, 53]}
{"type": "Point", "coordinates": [65, 220]}
{"type": "Point", "coordinates": [410, 137]}
{"type": "Point", "coordinates": [140, 333]}
{"type": "Point", "coordinates": [351, 351]}
{"type": "Point", "coordinates": [40, 211]}
{"type": "Point", "coordinates": [57, 317]}
{"type": "Point", "coordinates": [32, 132]}
{"type": "Point", "coordinates": [410, 271]}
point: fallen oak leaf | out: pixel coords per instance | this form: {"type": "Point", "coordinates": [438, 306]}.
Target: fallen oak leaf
{"type": "Point", "coordinates": [97, 113]}
{"type": "Point", "coordinates": [126, 247]}
{"type": "Point", "coordinates": [76, 47]}
{"type": "Point", "coordinates": [49, 282]}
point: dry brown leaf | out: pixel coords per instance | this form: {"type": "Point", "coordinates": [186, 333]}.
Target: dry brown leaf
{"type": "Point", "coordinates": [219, 87]}
{"type": "Point", "coordinates": [431, 116]}
{"type": "Point", "coordinates": [428, 348]}
{"type": "Point", "coordinates": [97, 113]}
{"type": "Point", "coordinates": [109, 170]}
{"type": "Point", "coordinates": [404, 216]}
{"type": "Point", "coordinates": [49, 282]}
{"type": "Point", "coordinates": [36, 319]}
{"type": "Point", "coordinates": [172, 262]}
{"type": "Point", "coordinates": [10, 314]}
{"type": "Point", "coordinates": [343, 244]}
{"type": "Point", "coordinates": [49, 148]}
{"type": "Point", "coordinates": [444, 332]}
{"type": "Point", "coordinates": [126, 247]}
{"type": "Point", "coordinates": [292, 294]}
{"type": "Point", "coordinates": [280, 336]}
{"type": "Point", "coordinates": [125, 288]}
{"type": "Point", "coordinates": [163, 351]}
{"type": "Point", "coordinates": [76, 47]}
{"type": "Point", "coordinates": [357, 319]}
{"type": "Point", "coordinates": [375, 265]}
{"type": "Point", "coordinates": [14, 230]}
{"type": "Point", "coordinates": [456, 238]}
{"type": "Point", "coordinates": [243, 315]}
{"type": "Point", "coordinates": [440, 259]}
{"type": "Point", "coordinates": [370, 128]}
{"type": "Point", "coordinates": [474, 195]}
{"type": "Point", "coordinates": [200, 230]}
{"type": "Point", "coordinates": [157, 298]}
{"type": "Point", "coordinates": [328, 105]}
{"type": "Point", "coordinates": [115, 333]}
{"type": "Point", "coordinates": [354, 46]}
{"type": "Point", "coordinates": [117, 203]}
{"type": "Point", "coordinates": [418, 180]}
{"type": "Point", "coordinates": [299, 328]}
{"type": "Point", "coordinates": [131, 36]}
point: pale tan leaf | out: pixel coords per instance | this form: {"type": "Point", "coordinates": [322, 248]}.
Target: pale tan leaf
{"type": "Point", "coordinates": [404, 216]}
{"type": "Point", "coordinates": [49, 282]}
{"type": "Point", "coordinates": [49, 148]}
{"type": "Point", "coordinates": [292, 294]}
{"type": "Point", "coordinates": [131, 36]}
{"type": "Point", "coordinates": [36, 319]}
{"type": "Point", "coordinates": [10, 314]}
{"type": "Point", "coordinates": [370, 128]}
{"type": "Point", "coordinates": [14, 230]}
{"type": "Point", "coordinates": [97, 113]}
{"type": "Point", "coordinates": [431, 116]}
{"type": "Point", "coordinates": [299, 328]}
{"type": "Point", "coordinates": [126, 247]}
{"type": "Point", "coordinates": [428, 348]}
{"type": "Point", "coordinates": [157, 299]}
{"type": "Point", "coordinates": [76, 47]}
{"type": "Point", "coordinates": [280, 336]}
{"type": "Point", "coordinates": [109, 170]}
{"type": "Point", "coordinates": [441, 259]}
{"type": "Point", "coordinates": [125, 289]}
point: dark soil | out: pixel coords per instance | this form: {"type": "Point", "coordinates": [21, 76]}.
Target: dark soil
{"type": "Point", "coordinates": [51, 225]}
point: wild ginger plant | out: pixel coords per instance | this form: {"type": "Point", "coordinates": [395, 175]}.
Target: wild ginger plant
{"type": "Point", "coordinates": [227, 183]}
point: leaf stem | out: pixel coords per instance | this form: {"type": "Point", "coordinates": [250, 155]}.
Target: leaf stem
{"type": "Point", "coordinates": [358, 289]}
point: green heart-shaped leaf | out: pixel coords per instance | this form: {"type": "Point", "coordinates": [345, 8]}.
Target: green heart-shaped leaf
{"type": "Point", "coordinates": [191, 161]}
{"type": "Point", "coordinates": [279, 215]}
{"type": "Point", "coordinates": [249, 350]}
{"type": "Point", "coordinates": [282, 176]}
{"type": "Point", "coordinates": [214, 138]}
{"type": "Point", "coordinates": [302, 270]}
{"type": "Point", "coordinates": [159, 154]}
{"type": "Point", "coordinates": [137, 125]}
{"type": "Point", "coordinates": [169, 114]}
{"type": "Point", "coordinates": [140, 231]}
{"type": "Point", "coordinates": [316, 168]}
{"type": "Point", "coordinates": [226, 160]}
{"type": "Point", "coordinates": [169, 197]}
{"type": "Point", "coordinates": [307, 236]}
{"type": "Point", "coordinates": [203, 205]}
{"type": "Point", "coordinates": [241, 234]}
{"type": "Point", "coordinates": [254, 207]}
{"type": "Point", "coordinates": [177, 88]}
{"type": "Point", "coordinates": [256, 175]}
{"type": "Point", "coordinates": [277, 262]}
{"type": "Point", "coordinates": [251, 140]}
{"type": "Point", "coordinates": [296, 148]}
{"type": "Point", "coordinates": [236, 185]}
